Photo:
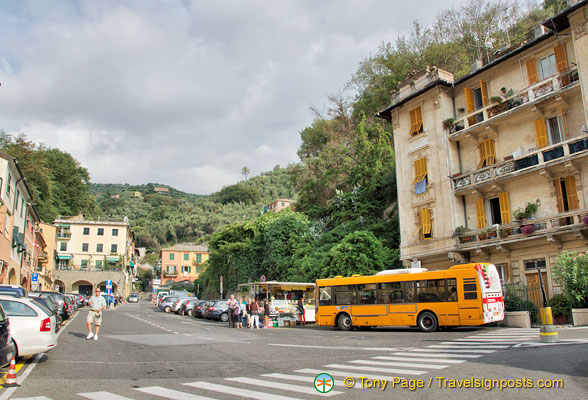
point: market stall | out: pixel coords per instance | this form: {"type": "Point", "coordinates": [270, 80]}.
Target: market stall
{"type": "Point", "coordinates": [283, 299]}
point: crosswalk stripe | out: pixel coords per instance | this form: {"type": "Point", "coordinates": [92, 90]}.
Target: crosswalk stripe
{"type": "Point", "coordinates": [400, 364]}
{"type": "Point", "coordinates": [458, 346]}
{"type": "Point", "coordinates": [171, 394]}
{"type": "Point", "coordinates": [353, 374]}
{"type": "Point", "coordinates": [103, 396]}
{"type": "Point", "coordinates": [503, 336]}
{"type": "Point", "coordinates": [419, 359]}
{"type": "Point", "coordinates": [378, 369]}
{"type": "Point", "coordinates": [464, 350]}
{"type": "Point", "coordinates": [481, 344]}
{"type": "Point", "coordinates": [34, 398]}
{"type": "Point", "coordinates": [440, 355]}
{"type": "Point", "coordinates": [235, 391]}
{"type": "Point", "coordinates": [500, 341]}
{"type": "Point", "coordinates": [282, 386]}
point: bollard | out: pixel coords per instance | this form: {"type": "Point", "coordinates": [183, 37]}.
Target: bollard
{"type": "Point", "coordinates": [548, 333]}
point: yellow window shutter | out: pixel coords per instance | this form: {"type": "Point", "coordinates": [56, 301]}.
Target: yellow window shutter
{"type": "Point", "coordinates": [482, 148]}
{"type": "Point", "coordinates": [481, 214]}
{"type": "Point", "coordinates": [412, 120]}
{"type": "Point", "coordinates": [504, 207]}
{"type": "Point", "coordinates": [559, 195]}
{"type": "Point", "coordinates": [541, 133]}
{"type": "Point", "coordinates": [532, 71]}
{"type": "Point", "coordinates": [470, 105]}
{"type": "Point", "coordinates": [561, 60]}
{"type": "Point", "coordinates": [572, 193]}
{"type": "Point", "coordinates": [425, 222]}
{"type": "Point", "coordinates": [563, 124]}
{"type": "Point", "coordinates": [484, 90]}
{"type": "Point", "coordinates": [490, 153]}
{"type": "Point", "coordinates": [419, 119]}
{"type": "Point", "coordinates": [420, 170]}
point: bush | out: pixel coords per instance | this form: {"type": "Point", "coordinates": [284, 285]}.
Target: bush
{"type": "Point", "coordinates": [512, 302]}
{"type": "Point", "coordinates": [560, 304]}
{"type": "Point", "coordinates": [571, 272]}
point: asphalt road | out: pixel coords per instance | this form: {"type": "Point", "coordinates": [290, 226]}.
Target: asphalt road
{"type": "Point", "coordinates": [143, 353]}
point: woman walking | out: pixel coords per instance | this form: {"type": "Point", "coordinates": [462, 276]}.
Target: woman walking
{"type": "Point", "coordinates": [254, 318]}
{"type": "Point", "coordinates": [266, 313]}
{"type": "Point", "coordinates": [242, 313]}
{"type": "Point", "coordinates": [301, 310]}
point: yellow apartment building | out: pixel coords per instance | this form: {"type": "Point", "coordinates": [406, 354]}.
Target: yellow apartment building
{"type": "Point", "coordinates": [45, 257]}
{"type": "Point", "coordinates": [493, 166]}
{"type": "Point", "coordinates": [182, 262]}
{"type": "Point", "coordinates": [279, 204]}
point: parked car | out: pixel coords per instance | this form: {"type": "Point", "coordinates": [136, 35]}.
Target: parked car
{"type": "Point", "coordinates": [59, 298]}
{"type": "Point", "coordinates": [167, 303]}
{"type": "Point", "coordinates": [134, 298]}
{"type": "Point", "coordinates": [179, 303]}
{"type": "Point", "coordinates": [69, 305]}
{"type": "Point", "coordinates": [217, 310]}
{"type": "Point", "coordinates": [16, 289]}
{"type": "Point", "coordinates": [188, 307]}
{"type": "Point", "coordinates": [49, 304]}
{"type": "Point", "coordinates": [32, 325]}
{"type": "Point", "coordinates": [6, 348]}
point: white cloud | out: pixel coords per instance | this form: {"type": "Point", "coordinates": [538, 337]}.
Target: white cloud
{"type": "Point", "coordinates": [183, 93]}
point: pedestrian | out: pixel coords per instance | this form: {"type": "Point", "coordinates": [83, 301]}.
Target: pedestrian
{"type": "Point", "coordinates": [301, 310]}
{"type": "Point", "coordinates": [266, 314]}
{"type": "Point", "coordinates": [243, 312]}
{"type": "Point", "coordinates": [233, 311]}
{"type": "Point", "coordinates": [97, 305]}
{"type": "Point", "coordinates": [248, 309]}
{"type": "Point", "coordinates": [254, 319]}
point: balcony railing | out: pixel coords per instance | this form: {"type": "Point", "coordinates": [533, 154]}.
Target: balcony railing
{"type": "Point", "coordinates": [522, 97]}
{"type": "Point", "coordinates": [565, 150]}
{"type": "Point", "coordinates": [64, 235]}
{"type": "Point", "coordinates": [575, 220]}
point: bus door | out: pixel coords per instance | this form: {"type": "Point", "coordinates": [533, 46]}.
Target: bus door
{"type": "Point", "coordinates": [399, 296]}
{"type": "Point", "coordinates": [469, 301]}
{"type": "Point", "coordinates": [452, 305]}
{"type": "Point", "coordinates": [368, 312]}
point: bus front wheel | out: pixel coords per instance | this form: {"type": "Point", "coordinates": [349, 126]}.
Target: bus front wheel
{"type": "Point", "coordinates": [427, 322]}
{"type": "Point", "coordinates": [344, 323]}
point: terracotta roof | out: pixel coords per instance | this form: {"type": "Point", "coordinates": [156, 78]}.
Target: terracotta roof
{"type": "Point", "coordinates": [187, 247]}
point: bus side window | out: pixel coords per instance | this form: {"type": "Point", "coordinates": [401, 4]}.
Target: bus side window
{"type": "Point", "coordinates": [409, 291]}
{"type": "Point", "coordinates": [390, 293]}
{"type": "Point", "coordinates": [367, 293]}
{"type": "Point", "coordinates": [470, 289]}
{"type": "Point", "coordinates": [345, 294]}
{"type": "Point", "coordinates": [325, 296]}
{"type": "Point", "coordinates": [451, 289]}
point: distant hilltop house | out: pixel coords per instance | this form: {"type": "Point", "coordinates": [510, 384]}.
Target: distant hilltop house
{"type": "Point", "coordinates": [279, 204]}
{"type": "Point", "coordinates": [115, 196]}
{"type": "Point", "coordinates": [137, 194]}
{"type": "Point", "coordinates": [183, 262]}
{"type": "Point", "coordinates": [161, 189]}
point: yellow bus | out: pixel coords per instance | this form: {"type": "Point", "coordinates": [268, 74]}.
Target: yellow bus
{"type": "Point", "coordinates": [467, 294]}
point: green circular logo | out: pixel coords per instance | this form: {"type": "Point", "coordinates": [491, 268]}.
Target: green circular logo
{"type": "Point", "coordinates": [324, 383]}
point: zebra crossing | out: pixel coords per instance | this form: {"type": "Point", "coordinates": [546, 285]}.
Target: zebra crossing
{"type": "Point", "coordinates": [411, 362]}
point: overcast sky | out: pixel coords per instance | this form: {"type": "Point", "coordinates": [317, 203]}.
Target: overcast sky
{"type": "Point", "coordinates": [184, 93]}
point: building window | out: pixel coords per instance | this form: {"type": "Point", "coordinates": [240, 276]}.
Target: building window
{"type": "Point", "coordinates": [86, 231]}
{"type": "Point", "coordinates": [115, 232]}
{"type": "Point", "coordinates": [85, 247]}
{"type": "Point", "coordinates": [476, 99]}
{"type": "Point", "coordinates": [555, 129]}
{"type": "Point", "coordinates": [171, 256]}
{"type": "Point", "coordinates": [487, 153]}
{"type": "Point", "coordinates": [186, 269]}
{"type": "Point", "coordinates": [499, 210]}
{"type": "Point", "coordinates": [566, 193]}
{"type": "Point", "coordinates": [503, 273]}
{"type": "Point", "coordinates": [8, 186]}
{"type": "Point", "coordinates": [532, 265]}
{"type": "Point", "coordinates": [17, 198]}
{"type": "Point", "coordinates": [425, 220]}
{"type": "Point", "coordinates": [99, 248]}
{"type": "Point", "coordinates": [416, 121]}
{"type": "Point", "coordinates": [547, 66]}
{"type": "Point", "coordinates": [420, 175]}
{"type": "Point", "coordinates": [171, 269]}
{"type": "Point", "coordinates": [100, 231]}
{"type": "Point", "coordinates": [198, 258]}
{"type": "Point", "coordinates": [98, 263]}
{"type": "Point", "coordinates": [186, 257]}
{"type": "Point", "coordinates": [84, 263]}
{"type": "Point", "coordinates": [63, 246]}
{"type": "Point", "coordinates": [198, 269]}
{"type": "Point", "coordinates": [113, 248]}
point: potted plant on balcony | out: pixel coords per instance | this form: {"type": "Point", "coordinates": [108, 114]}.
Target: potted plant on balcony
{"type": "Point", "coordinates": [585, 220]}
{"type": "Point", "coordinates": [528, 229]}
{"type": "Point", "coordinates": [520, 214]}
{"type": "Point", "coordinates": [483, 235]}
{"type": "Point", "coordinates": [491, 233]}
{"type": "Point", "coordinates": [504, 233]}
{"type": "Point", "coordinates": [448, 123]}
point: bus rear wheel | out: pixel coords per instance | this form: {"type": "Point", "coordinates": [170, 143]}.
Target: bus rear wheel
{"type": "Point", "coordinates": [344, 323]}
{"type": "Point", "coordinates": [427, 322]}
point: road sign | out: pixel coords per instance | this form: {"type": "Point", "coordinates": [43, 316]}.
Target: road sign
{"type": "Point", "coordinates": [35, 277]}
{"type": "Point", "coordinates": [108, 284]}
{"type": "Point", "coordinates": [262, 279]}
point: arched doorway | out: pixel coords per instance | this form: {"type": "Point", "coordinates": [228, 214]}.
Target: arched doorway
{"type": "Point", "coordinates": [24, 283]}
{"type": "Point", "coordinates": [84, 288]}
{"type": "Point", "coordinates": [12, 277]}
{"type": "Point", "coordinates": [60, 286]}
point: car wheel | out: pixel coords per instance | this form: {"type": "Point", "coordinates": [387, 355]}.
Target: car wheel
{"type": "Point", "coordinates": [427, 322]}
{"type": "Point", "coordinates": [167, 309]}
{"type": "Point", "coordinates": [345, 323]}
{"type": "Point", "coordinates": [224, 317]}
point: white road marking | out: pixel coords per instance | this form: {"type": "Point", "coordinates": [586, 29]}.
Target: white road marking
{"type": "Point", "coordinates": [170, 393]}
{"type": "Point", "coordinates": [461, 346]}
{"type": "Point", "coordinates": [454, 351]}
{"type": "Point", "coordinates": [34, 398]}
{"type": "Point", "coordinates": [377, 369]}
{"type": "Point", "coordinates": [309, 379]}
{"type": "Point", "coordinates": [400, 364]}
{"type": "Point", "coordinates": [235, 391]}
{"type": "Point", "coordinates": [336, 347]}
{"type": "Point", "coordinates": [103, 396]}
{"type": "Point", "coordinates": [6, 395]}
{"type": "Point", "coordinates": [419, 359]}
{"type": "Point", "coordinates": [440, 355]}
{"type": "Point", "coordinates": [283, 386]}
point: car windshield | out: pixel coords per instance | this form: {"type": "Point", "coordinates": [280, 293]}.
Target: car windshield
{"type": "Point", "coordinates": [42, 306]}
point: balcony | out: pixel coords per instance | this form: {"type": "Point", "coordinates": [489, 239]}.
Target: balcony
{"type": "Point", "coordinates": [575, 221]}
{"type": "Point", "coordinates": [64, 235]}
{"type": "Point", "coordinates": [528, 96]}
{"type": "Point", "coordinates": [565, 151]}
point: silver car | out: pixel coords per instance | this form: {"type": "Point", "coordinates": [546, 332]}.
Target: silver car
{"type": "Point", "coordinates": [178, 304]}
{"type": "Point", "coordinates": [134, 298]}
{"type": "Point", "coordinates": [167, 303]}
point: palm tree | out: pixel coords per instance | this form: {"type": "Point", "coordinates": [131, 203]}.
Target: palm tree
{"type": "Point", "coordinates": [245, 172]}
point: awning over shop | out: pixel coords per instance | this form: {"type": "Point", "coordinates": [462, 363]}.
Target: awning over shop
{"type": "Point", "coordinates": [64, 225]}
{"type": "Point", "coordinates": [113, 259]}
{"type": "Point", "coordinates": [131, 264]}
{"type": "Point", "coordinates": [63, 257]}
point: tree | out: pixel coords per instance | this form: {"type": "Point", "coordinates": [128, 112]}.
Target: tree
{"type": "Point", "coordinates": [359, 252]}
{"type": "Point", "coordinates": [571, 272]}
{"type": "Point", "coordinates": [245, 172]}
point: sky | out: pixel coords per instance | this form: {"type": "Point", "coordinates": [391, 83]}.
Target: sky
{"type": "Point", "coordinates": [184, 93]}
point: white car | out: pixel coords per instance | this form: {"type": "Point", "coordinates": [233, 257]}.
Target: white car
{"type": "Point", "coordinates": [32, 325]}
{"type": "Point", "coordinates": [134, 298]}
